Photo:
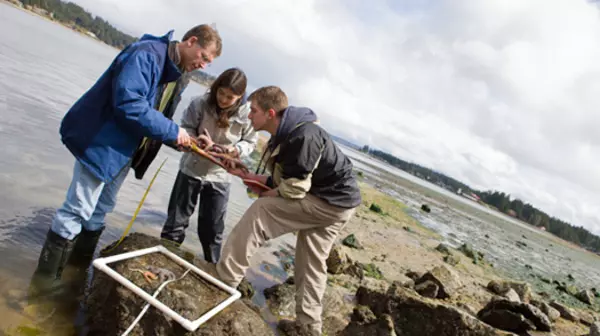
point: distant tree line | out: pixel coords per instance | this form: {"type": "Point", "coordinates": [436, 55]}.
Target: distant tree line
{"type": "Point", "coordinates": [419, 171]}
{"type": "Point", "coordinates": [529, 214]}
{"type": "Point", "coordinates": [523, 211]}
{"type": "Point", "coordinates": [68, 12]}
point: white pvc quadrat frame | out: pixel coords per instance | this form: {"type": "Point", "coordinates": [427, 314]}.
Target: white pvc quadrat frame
{"type": "Point", "coordinates": [102, 264]}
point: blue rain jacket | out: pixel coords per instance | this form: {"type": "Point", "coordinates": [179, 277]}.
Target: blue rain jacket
{"type": "Point", "coordinates": [106, 125]}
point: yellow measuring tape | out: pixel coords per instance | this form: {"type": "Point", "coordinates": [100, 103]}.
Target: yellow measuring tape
{"type": "Point", "coordinates": [137, 211]}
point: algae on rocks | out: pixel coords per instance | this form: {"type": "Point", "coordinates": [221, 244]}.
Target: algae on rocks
{"type": "Point", "coordinates": [352, 241]}
{"type": "Point", "coordinates": [376, 208]}
{"type": "Point", "coordinates": [468, 250]}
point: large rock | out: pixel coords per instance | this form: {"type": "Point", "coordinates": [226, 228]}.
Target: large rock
{"type": "Point", "coordinates": [428, 289]}
{"type": "Point", "coordinates": [445, 278]}
{"type": "Point", "coordinates": [451, 259]}
{"type": "Point", "coordinates": [281, 300]}
{"type": "Point", "coordinates": [503, 313]}
{"type": "Point", "coordinates": [511, 295]}
{"type": "Point", "coordinates": [338, 260]}
{"type": "Point", "coordinates": [365, 323]}
{"type": "Point", "coordinates": [404, 281]}
{"type": "Point", "coordinates": [586, 296]}
{"type": "Point", "coordinates": [501, 287]}
{"type": "Point", "coordinates": [414, 315]}
{"type": "Point", "coordinates": [443, 248]}
{"type": "Point", "coordinates": [506, 320]}
{"type": "Point", "coordinates": [586, 318]}
{"type": "Point", "coordinates": [381, 285]}
{"type": "Point", "coordinates": [551, 312]}
{"type": "Point", "coordinates": [565, 312]}
{"type": "Point", "coordinates": [414, 275]}
{"type": "Point", "coordinates": [112, 308]}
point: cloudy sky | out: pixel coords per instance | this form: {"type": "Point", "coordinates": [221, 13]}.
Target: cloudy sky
{"type": "Point", "coordinates": [501, 94]}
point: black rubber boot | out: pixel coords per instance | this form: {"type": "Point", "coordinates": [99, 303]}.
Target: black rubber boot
{"type": "Point", "coordinates": [47, 292]}
{"type": "Point", "coordinates": [54, 255]}
{"type": "Point", "coordinates": [51, 263]}
{"type": "Point", "coordinates": [83, 251]}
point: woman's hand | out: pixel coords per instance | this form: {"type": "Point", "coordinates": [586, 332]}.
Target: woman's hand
{"type": "Point", "coordinates": [232, 151]}
{"type": "Point", "coordinates": [205, 140]}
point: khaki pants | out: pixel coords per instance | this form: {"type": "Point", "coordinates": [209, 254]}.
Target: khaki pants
{"type": "Point", "coordinates": [318, 224]}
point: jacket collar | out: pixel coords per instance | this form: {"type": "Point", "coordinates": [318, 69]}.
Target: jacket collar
{"type": "Point", "coordinates": [170, 71]}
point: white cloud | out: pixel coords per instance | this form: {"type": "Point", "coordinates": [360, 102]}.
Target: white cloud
{"type": "Point", "coordinates": [498, 93]}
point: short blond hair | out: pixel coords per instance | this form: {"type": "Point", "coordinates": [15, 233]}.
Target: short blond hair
{"type": "Point", "coordinates": [206, 35]}
{"type": "Point", "coordinates": [270, 97]}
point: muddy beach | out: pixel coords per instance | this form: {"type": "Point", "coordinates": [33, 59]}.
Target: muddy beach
{"type": "Point", "coordinates": [391, 249]}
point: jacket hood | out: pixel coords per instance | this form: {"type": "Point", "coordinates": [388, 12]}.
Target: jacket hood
{"type": "Point", "coordinates": [292, 117]}
{"type": "Point", "coordinates": [170, 71]}
{"type": "Point", "coordinates": [165, 38]}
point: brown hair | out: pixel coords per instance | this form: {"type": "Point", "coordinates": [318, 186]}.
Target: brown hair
{"type": "Point", "coordinates": [270, 97]}
{"type": "Point", "coordinates": [235, 80]}
{"type": "Point", "coordinates": [206, 35]}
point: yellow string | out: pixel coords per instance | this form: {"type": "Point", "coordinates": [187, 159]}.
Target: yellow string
{"type": "Point", "coordinates": [135, 214]}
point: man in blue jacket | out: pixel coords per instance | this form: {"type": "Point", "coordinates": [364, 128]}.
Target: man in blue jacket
{"type": "Point", "coordinates": [116, 117]}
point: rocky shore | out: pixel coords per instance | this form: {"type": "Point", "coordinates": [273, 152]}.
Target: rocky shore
{"type": "Point", "coordinates": [388, 275]}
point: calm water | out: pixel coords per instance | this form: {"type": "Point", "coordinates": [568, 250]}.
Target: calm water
{"type": "Point", "coordinates": [44, 68]}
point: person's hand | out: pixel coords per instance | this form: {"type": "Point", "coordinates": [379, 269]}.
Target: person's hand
{"type": "Point", "coordinates": [232, 163]}
{"type": "Point", "coordinates": [240, 172]}
{"type": "Point", "coordinates": [183, 138]}
{"type": "Point", "coordinates": [232, 151]}
{"type": "Point", "coordinates": [205, 140]}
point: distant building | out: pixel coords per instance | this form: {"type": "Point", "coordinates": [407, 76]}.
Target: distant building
{"type": "Point", "coordinates": [469, 195]}
{"type": "Point", "coordinates": [16, 3]}
{"type": "Point", "coordinates": [40, 11]}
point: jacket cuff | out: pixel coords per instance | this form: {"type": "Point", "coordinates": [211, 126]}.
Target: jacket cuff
{"type": "Point", "coordinates": [294, 188]}
{"type": "Point", "coordinates": [173, 133]}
